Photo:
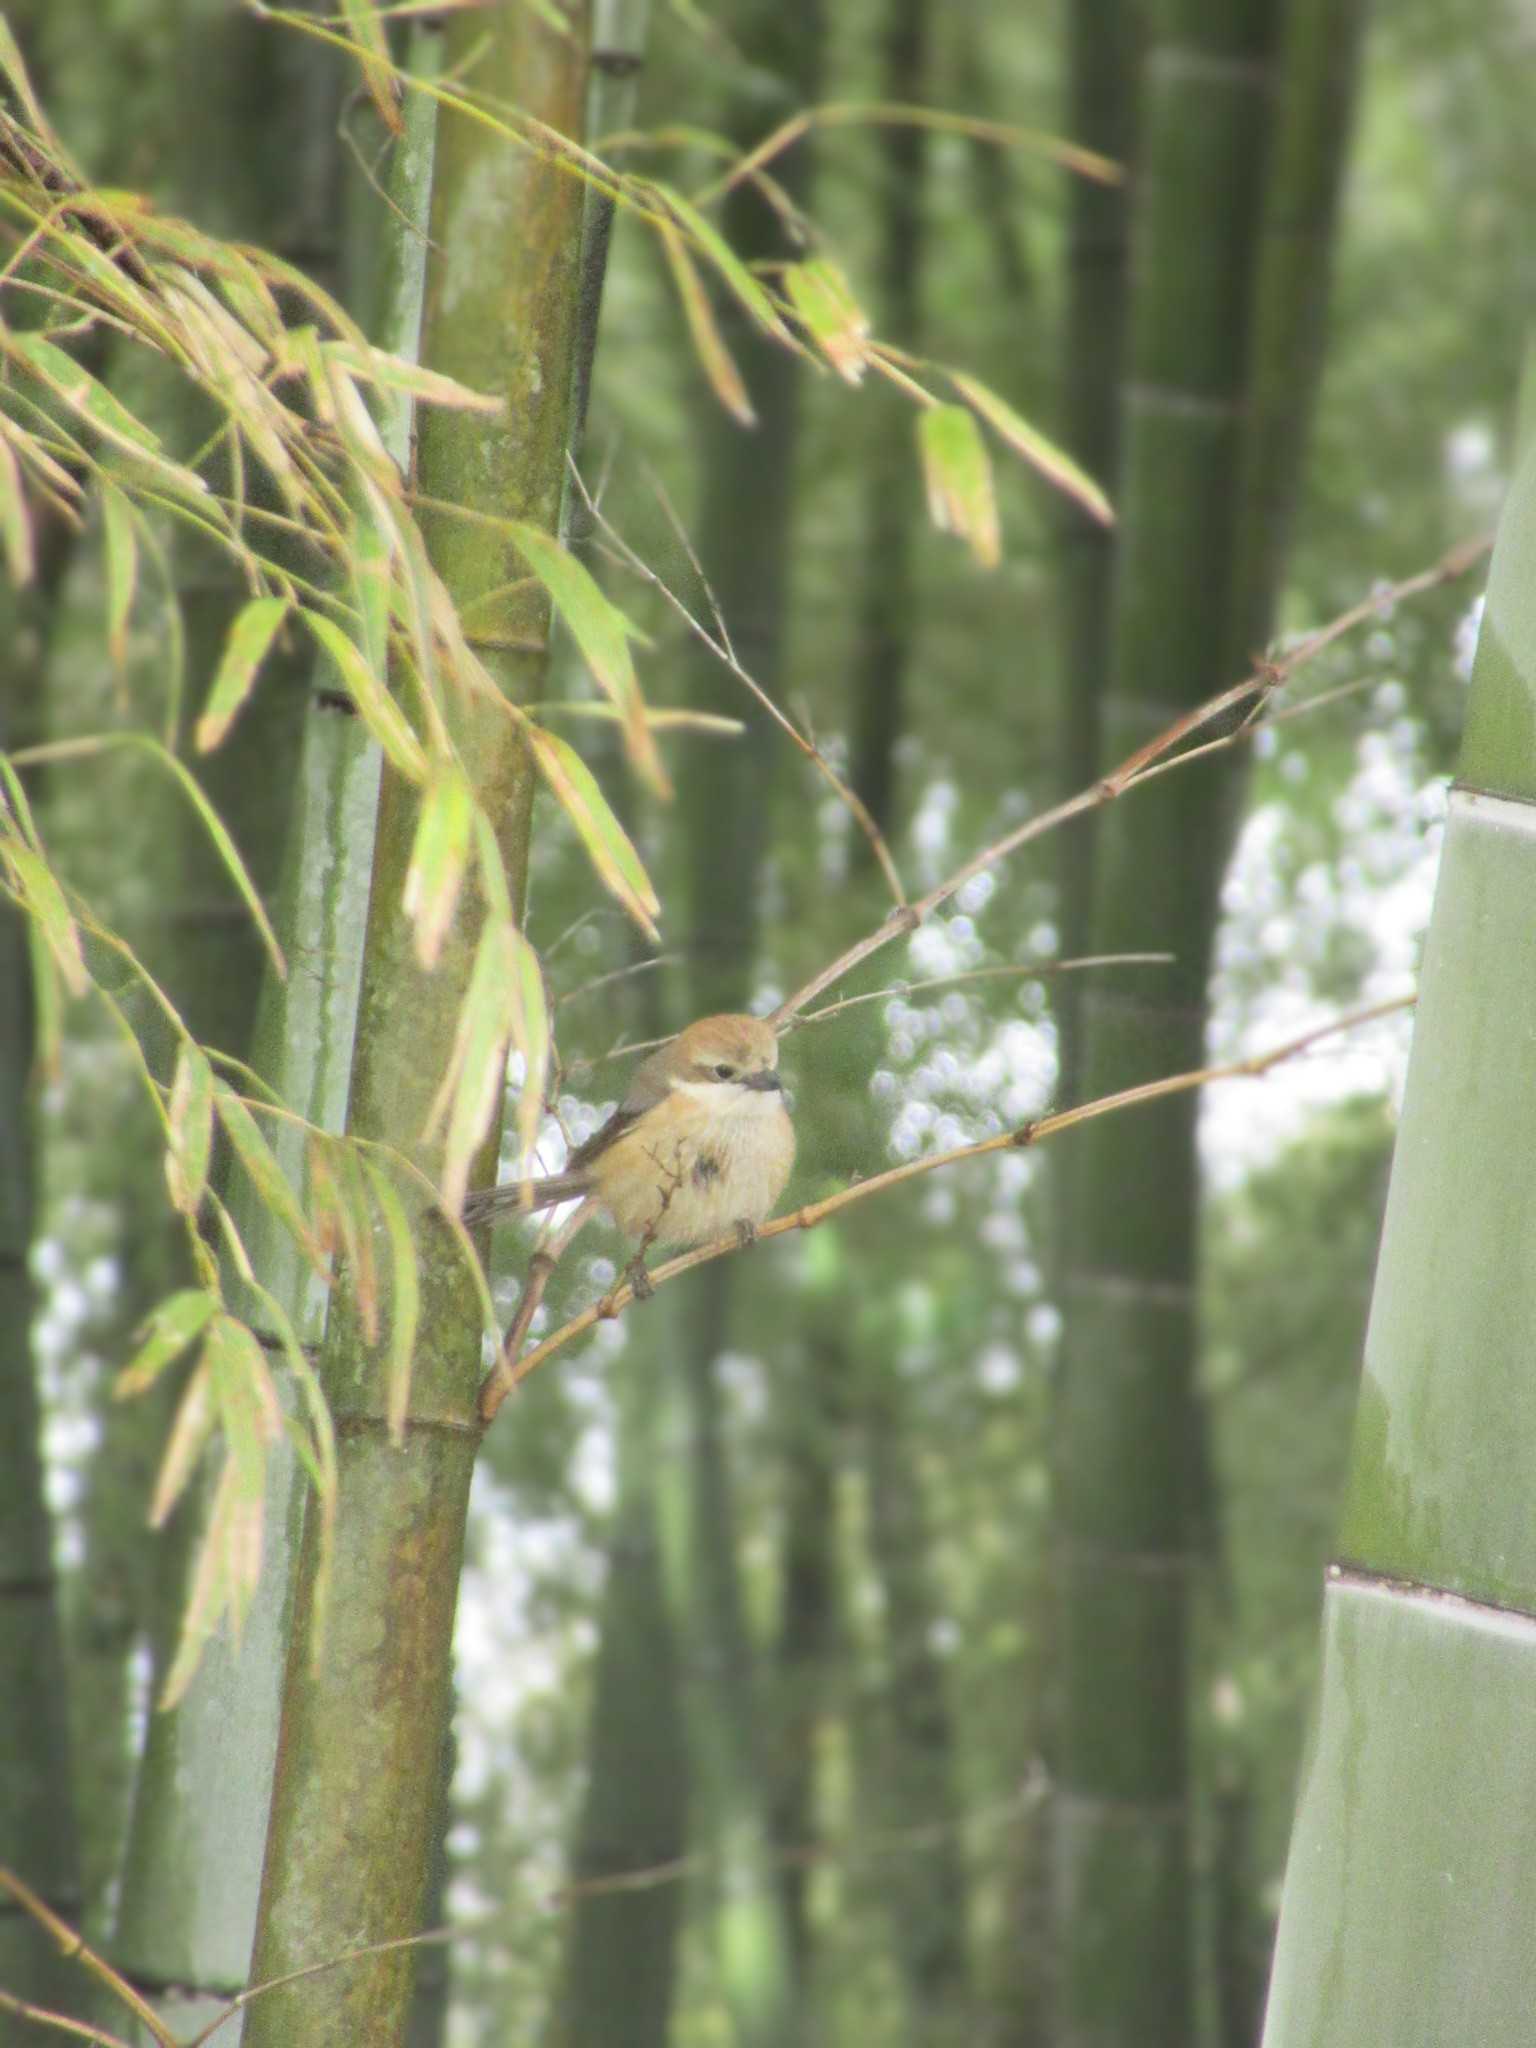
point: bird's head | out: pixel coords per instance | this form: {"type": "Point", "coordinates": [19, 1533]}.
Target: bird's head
{"type": "Point", "coordinates": [726, 1052]}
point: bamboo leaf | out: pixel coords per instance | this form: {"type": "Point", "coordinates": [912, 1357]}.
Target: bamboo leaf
{"type": "Point", "coordinates": [394, 373]}
{"type": "Point", "coordinates": [376, 707]}
{"type": "Point", "coordinates": [366, 31]}
{"type": "Point", "coordinates": [174, 1324]}
{"type": "Point", "coordinates": [190, 1430]}
{"type": "Point", "coordinates": [1053, 463]}
{"type": "Point", "coordinates": [41, 895]}
{"type": "Point", "coordinates": [208, 1595]}
{"type": "Point", "coordinates": [83, 393]}
{"type": "Point", "coordinates": [404, 1303]}
{"type": "Point", "coordinates": [719, 364]}
{"type": "Point", "coordinates": [833, 318]}
{"type": "Point", "coordinates": [122, 554]}
{"type": "Point", "coordinates": [16, 77]}
{"type": "Point", "coordinates": [249, 1412]}
{"type": "Point", "coordinates": [439, 856]}
{"type": "Point", "coordinates": [47, 1004]}
{"type": "Point", "coordinates": [575, 789]}
{"type": "Point", "coordinates": [603, 634]}
{"type": "Point", "coordinates": [530, 1034]}
{"type": "Point", "coordinates": [190, 1112]}
{"type": "Point", "coordinates": [268, 1178]}
{"type": "Point", "coordinates": [15, 518]}
{"type": "Point", "coordinates": [958, 476]}
{"type": "Point", "coordinates": [255, 627]}
{"type": "Point", "coordinates": [218, 832]}
{"type": "Point", "coordinates": [730, 266]}
{"type": "Point", "coordinates": [471, 1086]}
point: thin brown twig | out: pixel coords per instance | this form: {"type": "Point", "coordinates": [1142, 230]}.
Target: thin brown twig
{"type": "Point", "coordinates": [620, 551]}
{"type": "Point", "coordinates": [74, 1947]}
{"type": "Point", "coordinates": [1153, 756]}
{"type": "Point", "coordinates": [1028, 970]}
{"type": "Point", "coordinates": [500, 1382]}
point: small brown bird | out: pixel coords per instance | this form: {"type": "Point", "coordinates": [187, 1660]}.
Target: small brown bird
{"type": "Point", "coordinates": [701, 1144]}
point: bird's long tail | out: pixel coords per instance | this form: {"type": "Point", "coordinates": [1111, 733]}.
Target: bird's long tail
{"type": "Point", "coordinates": [518, 1197]}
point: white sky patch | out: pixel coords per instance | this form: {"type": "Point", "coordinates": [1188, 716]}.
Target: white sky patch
{"type": "Point", "coordinates": [1380, 892]}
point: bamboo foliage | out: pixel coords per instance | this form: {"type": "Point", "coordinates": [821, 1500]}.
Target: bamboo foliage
{"type": "Point", "coordinates": [1408, 1892]}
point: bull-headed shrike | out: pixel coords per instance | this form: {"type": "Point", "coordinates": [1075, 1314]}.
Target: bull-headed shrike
{"type": "Point", "coordinates": [701, 1144]}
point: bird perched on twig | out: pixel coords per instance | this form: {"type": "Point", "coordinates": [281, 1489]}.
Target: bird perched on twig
{"type": "Point", "coordinates": [701, 1144]}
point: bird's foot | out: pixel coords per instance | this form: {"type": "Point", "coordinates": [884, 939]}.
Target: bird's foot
{"type": "Point", "coordinates": [746, 1233]}
{"type": "Point", "coordinates": [639, 1279]}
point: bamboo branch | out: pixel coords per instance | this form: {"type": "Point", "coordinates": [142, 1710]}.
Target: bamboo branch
{"type": "Point", "coordinates": [505, 1376]}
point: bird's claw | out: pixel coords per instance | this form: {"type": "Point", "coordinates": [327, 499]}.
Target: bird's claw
{"type": "Point", "coordinates": [746, 1233]}
{"type": "Point", "coordinates": [639, 1279]}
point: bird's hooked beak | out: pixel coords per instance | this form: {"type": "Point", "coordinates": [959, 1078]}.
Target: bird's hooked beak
{"type": "Point", "coordinates": [766, 1080]}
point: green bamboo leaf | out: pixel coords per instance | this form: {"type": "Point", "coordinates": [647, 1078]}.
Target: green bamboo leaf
{"type": "Point", "coordinates": [255, 627]}
{"type": "Point", "coordinates": [15, 518]}
{"type": "Point", "coordinates": [1052, 462]}
{"type": "Point", "coordinates": [575, 789]}
{"type": "Point", "coordinates": [190, 1111]}
{"type": "Point", "coordinates": [267, 1177]}
{"type": "Point", "coordinates": [439, 856]}
{"type": "Point", "coordinates": [83, 393]}
{"type": "Point", "coordinates": [833, 317]}
{"type": "Point", "coordinates": [16, 77]}
{"type": "Point", "coordinates": [122, 552]}
{"type": "Point", "coordinates": [404, 1302]}
{"type": "Point", "coordinates": [47, 1004]}
{"type": "Point", "coordinates": [658, 719]}
{"type": "Point", "coordinates": [218, 832]}
{"type": "Point", "coordinates": [376, 707]}
{"type": "Point", "coordinates": [190, 1430]}
{"type": "Point", "coordinates": [40, 893]}
{"type": "Point", "coordinates": [603, 634]}
{"type": "Point", "coordinates": [730, 266]}
{"type": "Point", "coordinates": [958, 476]}
{"type": "Point", "coordinates": [366, 31]}
{"type": "Point", "coordinates": [170, 1327]}
{"type": "Point", "coordinates": [709, 344]}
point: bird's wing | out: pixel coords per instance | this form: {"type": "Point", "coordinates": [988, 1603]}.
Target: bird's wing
{"type": "Point", "coordinates": [647, 1087]}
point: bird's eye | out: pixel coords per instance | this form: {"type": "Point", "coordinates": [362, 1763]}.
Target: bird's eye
{"type": "Point", "coordinates": [725, 1072]}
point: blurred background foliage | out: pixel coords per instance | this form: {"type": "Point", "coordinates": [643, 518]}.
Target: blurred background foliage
{"type": "Point", "coordinates": [881, 1388]}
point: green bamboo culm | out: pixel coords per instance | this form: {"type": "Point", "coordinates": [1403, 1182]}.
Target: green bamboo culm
{"type": "Point", "coordinates": [192, 1868]}
{"type": "Point", "coordinates": [1126, 1414]}
{"type": "Point", "coordinates": [362, 1734]}
{"type": "Point", "coordinates": [1410, 1892]}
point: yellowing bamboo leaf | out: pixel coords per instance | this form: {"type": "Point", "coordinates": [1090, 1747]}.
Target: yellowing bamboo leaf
{"type": "Point", "coordinates": [339, 1194]}
{"type": "Point", "coordinates": [404, 1302]}
{"type": "Point", "coordinates": [170, 1327]}
{"type": "Point", "coordinates": [267, 1177]}
{"type": "Point", "coordinates": [249, 1412]}
{"type": "Point", "coordinates": [958, 476]}
{"type": "Point", "coordinates": [375, 706]}
{"type": "Point", "coordinates": [709, 343]}
{"type": "Point", "coordinates": [439, 856]}
{"type": "Point", "coordinates": [190, 1111]}
{"type": "Point", "coordinates": [222, 1558]}
{"type": "Point", "coordinates": [250, 638]}
{"type": "Point", "coordinates": [394, 373]}
{"type": "Point", "coordinates": [575, 788]}
{"type": "Point", "coordinates": [366, 30]}
{"type": "Point", "coordinates": [603, 634]}
{"type": "Point", "coordinates": [122, 552]}
{"type": "Point", "coordinates": [190, 1430]}
{"type": "Point", "coordinates": [530, 1034]}
{"type": "Point", "coordinates": [471, 1086]}
{"type": "Point", "coordinates": [833, 318]}
{"type": "Point", "coordinates": [15, 519]}
{"type": "Point", "coordinates": [15, 70]}
{"type": "Point", "coordinates": [43, 899]}
{"type": "Point", "coordinates": [1053, 463]}
{"type": "Point", "coordinates": [730, 266]}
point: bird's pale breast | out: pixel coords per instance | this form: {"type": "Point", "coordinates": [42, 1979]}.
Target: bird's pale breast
{"type": "Point", "coordinates": [696, 1172]}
